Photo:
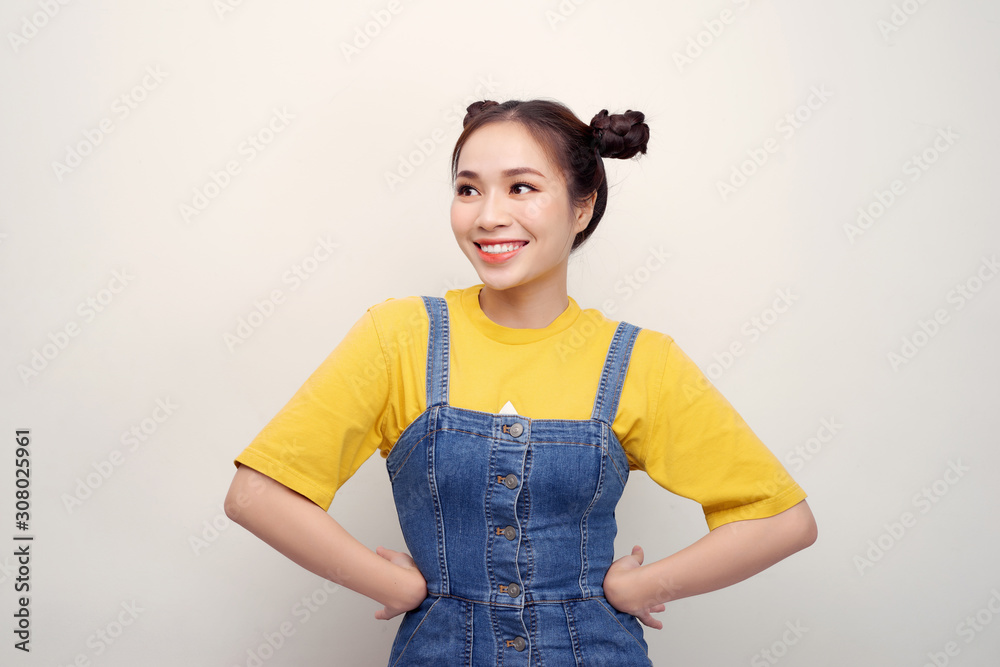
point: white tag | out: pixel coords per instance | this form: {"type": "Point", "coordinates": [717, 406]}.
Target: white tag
{"type": "Point", "coordinates": [508, 409]}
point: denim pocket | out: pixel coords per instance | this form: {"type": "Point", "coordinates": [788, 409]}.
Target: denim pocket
{"type": "Point", "coordinates": [607, 636]}
{"type": "Point", "coordinates": [431, 634]}
{"type": "Point", "coordinates": [629, 622]}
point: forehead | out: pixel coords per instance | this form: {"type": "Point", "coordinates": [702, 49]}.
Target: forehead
{"type": "Point", "coordinates": [504, 145]}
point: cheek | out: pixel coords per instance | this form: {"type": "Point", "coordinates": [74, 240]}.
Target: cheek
{"type": "Point", "coordinates": [539, 207]}
{"type": "Point", "coordinates": [459, 218]}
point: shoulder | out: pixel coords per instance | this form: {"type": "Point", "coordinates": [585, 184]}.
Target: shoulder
{"type": "Point", "coordinates": [399, 315]}
{"type": "Point", "coordinates": [654, 343]}
{"type": "Point", "coordinates": [649, 344]}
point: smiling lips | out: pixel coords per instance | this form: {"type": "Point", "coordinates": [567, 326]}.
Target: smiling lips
{"type": "Point", "coordinates": [499, 250]}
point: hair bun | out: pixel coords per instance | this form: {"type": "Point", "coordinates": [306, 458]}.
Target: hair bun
{"type": "Point", "coordinates": [477, 108]}
{"type": "Point", "coordinates": [619, 135]}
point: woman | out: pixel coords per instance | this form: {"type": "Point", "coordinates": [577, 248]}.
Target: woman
{"type": "Point", "coordinates": [510, 418]}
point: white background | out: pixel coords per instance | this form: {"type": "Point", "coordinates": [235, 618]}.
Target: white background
{"type": "Point", "coordinates": [150, 535]}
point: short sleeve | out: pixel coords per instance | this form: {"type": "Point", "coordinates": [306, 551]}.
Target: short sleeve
{"type": "Point", "coordinates": [332, 424]}
{"type": "Point", "coordinates": [702, 449]}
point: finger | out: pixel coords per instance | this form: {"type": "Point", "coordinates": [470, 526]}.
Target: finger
{"type": "Point", "coordinates": [637, 553]}
{"type": "Point", "coordinates": [651, 622]}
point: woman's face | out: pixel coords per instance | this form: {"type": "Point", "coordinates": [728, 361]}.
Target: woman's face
{"type": "Point", "coordinates": [511, 213]}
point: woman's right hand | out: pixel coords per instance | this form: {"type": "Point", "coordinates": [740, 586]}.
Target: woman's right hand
{"type": "Point", "coordinates": [412, 592]}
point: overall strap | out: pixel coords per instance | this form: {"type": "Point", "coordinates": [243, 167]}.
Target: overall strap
{"type": "Point", "coordinates": [613, 376]}
{"type": "Point", "coordinates": [437, 350]}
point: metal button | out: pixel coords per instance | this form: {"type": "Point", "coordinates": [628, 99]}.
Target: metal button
{"type": "Point", "coordinates": [510, 532]}
{"type": "Point", "coordinates": [519, 643]}
{"type": "Point", "coordinates": [513, 590]}
{"type": "Point", "coordinates": [510, 481]}
{"type": "Point", "coordinates": [516, 430]}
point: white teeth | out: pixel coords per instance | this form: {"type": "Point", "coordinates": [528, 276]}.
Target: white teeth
{"type": "Point", "coordinates": [500, 247]}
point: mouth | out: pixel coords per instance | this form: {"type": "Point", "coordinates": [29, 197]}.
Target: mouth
{"type": "Point", "coordinates": [494, 253]}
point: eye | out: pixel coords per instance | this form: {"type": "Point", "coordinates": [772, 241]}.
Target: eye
{"type": "Point", "coordinates": [462, 189]}
{"type": "Point", "coordinates": [522, 185]}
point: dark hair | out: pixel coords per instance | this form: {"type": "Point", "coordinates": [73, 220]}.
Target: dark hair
{"type": "Point", "coordinates": [576, 147]}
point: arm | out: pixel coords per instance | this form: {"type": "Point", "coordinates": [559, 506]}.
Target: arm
{"type": "Point", "coordinates": [301, 530]}
{"type": "Point", "coordinates": [727, 555]}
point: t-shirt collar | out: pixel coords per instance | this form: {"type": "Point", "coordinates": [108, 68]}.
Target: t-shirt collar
{"type": "Point", "coordinates": [472, 310]}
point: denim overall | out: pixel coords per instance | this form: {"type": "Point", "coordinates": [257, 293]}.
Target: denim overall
{"type": "Point", "coordinates": [511, 521]}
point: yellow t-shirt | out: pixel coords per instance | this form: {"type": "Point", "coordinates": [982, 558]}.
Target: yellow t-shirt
{"type": "Point", "coordinates": [672, 423]}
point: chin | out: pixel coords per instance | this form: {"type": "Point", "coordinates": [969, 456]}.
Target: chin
{"type": "Point", "coordinates": [498, 284]}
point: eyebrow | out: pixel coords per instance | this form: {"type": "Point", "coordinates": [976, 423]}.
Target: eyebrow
{"type": "Point", "coordinates": [506, 173]}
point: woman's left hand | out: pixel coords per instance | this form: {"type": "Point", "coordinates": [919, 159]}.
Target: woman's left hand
{"type": "Point", "coordinates": [624, 591]}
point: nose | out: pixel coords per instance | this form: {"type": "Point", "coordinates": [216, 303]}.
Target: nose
{"type": "Point", "coordinates": [493, 211]}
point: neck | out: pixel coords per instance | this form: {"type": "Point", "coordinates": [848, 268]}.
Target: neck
{"type": "Point", "coordinates": [524, 306]}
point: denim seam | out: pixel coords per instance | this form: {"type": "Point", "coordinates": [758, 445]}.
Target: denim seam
{"type": "Point", "coordinates": [489, 603]}
{"type": "Point", "coordinates": [490, 521]}
{"type": "Point", "coordinates": [613, 439]}
{"type": "Point", "coordinates": [469, 632]}
{"type": "Point", "coordinates": [543, 421]}
{"type": "Point", "coordinates": [522, 534]}
{"type": "Point", "coordinates": [574, 636]}
{"type": "Point", "coordinates": [497, 637]}
{"type": "Point", "coordinates": [609, 399]}
{"type": "Point", "coordinates": [608, 612]}
{"type": "Point", "coordinates": [412, 449]}
{"type": "Point", "coordinates": [598, 493]}
{"type": "Point", "coordinates": [434, 431]}
{"type": "Point", "coordinates": [584, 532]}
{"type": "Point", "coordinates": [432, 352]}
{"type": "Point", "coordinates": [521, 489]}
{"type": "Point", "coordinates": [533, 635]}
{"type": "Point", "coordinates": [513, 441]}
{"type": "Point", "coordinates": [598, 410]}
{"type": "Point", "coordinates": [621, 370]}
{"type": "Point", "coordinates": [415, 631]}
{"type": "Point", "coordinates": [438, 514]}
{"type": "Point", "coordinates": [445, 347]}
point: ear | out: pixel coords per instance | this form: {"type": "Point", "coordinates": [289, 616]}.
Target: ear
{"type": "Point", "coordinates": [584, 213]}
